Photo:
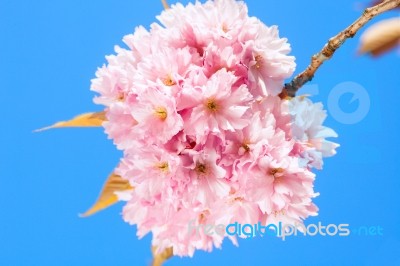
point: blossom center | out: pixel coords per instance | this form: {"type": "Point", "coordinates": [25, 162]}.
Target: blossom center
{"type": "Point", "coordinates": [121, 96]}
{"type": "Point", "coordinates": [277, 174]}
{"type": "Point", "coordinates": [161, 113]}
{"type": "Point", "coordinates": [168, 81]}
{"type": "Point", "coordinates": [246, 147]}
{"type": "Point", "coordinates": [281, 212]}
{"type": "Point", "coordinates": [225, 28]}
{"type": "Point", "coordinates": [203, 216]}
{"type": "Point", "coordinates": [201, 169]}
{"type": "Point", "coordinates": [258, 59]}
{"type": "Point", "coordinates": [275, 171]}
{"type": "Point", "coordinates": [212, 105]}
{"type": "Point", "coordinates": [163, 166]}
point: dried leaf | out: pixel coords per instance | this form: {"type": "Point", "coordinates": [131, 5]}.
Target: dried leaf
{"type": "Point", "coordinates": [303, 96]}
{"type": "Point", "coordinates": [165, 4]}
{"type": "Point", "coordinates": [380, 37]}
{"type": "Point", "coordinates": [107, 196]}
{"type": "Point", "coordinates": [83, 120]}
{"type": "Point", "coordinates": [160, 258]}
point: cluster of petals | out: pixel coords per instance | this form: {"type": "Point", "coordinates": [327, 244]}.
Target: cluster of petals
{"type": "Point", "coordinates": [194, 105]}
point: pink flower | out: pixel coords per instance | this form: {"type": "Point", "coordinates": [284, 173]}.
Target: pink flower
{"type": "Point", "coordinates": [156, 115]}
{"type": "Point", "coordinates": [307, 129]}
{"type": "Point", "coordinates": [268, 61]}
{"type": "Point", "coordinates": [206, 139]}
{"type": "Point", "coordinates": [149, 169]}
{"type": "Point", "coordinates": [216, 58]}
{"type": "Point", "coordinates": [246, 145]}
{"type": "Point", "coordinates": [166, 69]}
{"type": "Point", "coordinates": [279, 183]}
{"type": "Point", "coordinates": [235, 208]}
{"type": "Point", "coordinates": [208, 179]}
{"type": "Point", "coordinates": [216, 106]}
{"type": "Point", "coordinates": [120, 125]}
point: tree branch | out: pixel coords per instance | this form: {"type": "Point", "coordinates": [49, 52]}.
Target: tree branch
{"type": "Point", "coordinates": [333, 44]}
{"type": "Point", "coordinates": [165, 4]}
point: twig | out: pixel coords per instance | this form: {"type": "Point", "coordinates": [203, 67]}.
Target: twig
{"type": "Point", "coordinates": [165, 4]}
{"type": "Point", "coordinates": [333, 44]}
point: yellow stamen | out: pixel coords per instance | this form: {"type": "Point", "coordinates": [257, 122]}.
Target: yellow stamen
{"type": "Point", "coordinates": [246, 147]}
{"type": "Point", "coordinates": [168, 81]}
{"type": "Point", "coordinates": [203, 216]}
{"type": "Point", "coordinates": [161, 112]}
{"type": "Point", "coordinates": [163, 166]}
{"type": "Point", "coordinates": [258, 59]}
{"type": "Point", "coordinates": [274, 171]}
{"type": "Point", "coordinates": [281, 212]}
{"type": "Point", "coordinates": [121, 96]}
{"type": "Point", "coordinates": [212, 105]}
{"type": "Point", "coordinates": [201, 168]}
{"type": "Point", "coordinates": [224, 28]}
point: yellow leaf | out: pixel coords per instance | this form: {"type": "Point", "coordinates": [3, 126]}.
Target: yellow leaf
{"type": "Point", "coordinates": [83, 120]}
{"type": "Point", "coordinates": [380, 37]}
{"type": "Point", "coordinates": [107, 197]}
{"type": "Point", "coordinates": [165, 4]}
{"type": "Point", "coordinates": [160, 258]}
{"type": "Point", "coordinates": [303, 96]}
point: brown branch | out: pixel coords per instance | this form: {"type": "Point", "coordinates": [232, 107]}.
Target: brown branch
{"type": "Point", "coordinates": [333, 44]}
{"type": "Point", "coordinates": [165, 4]}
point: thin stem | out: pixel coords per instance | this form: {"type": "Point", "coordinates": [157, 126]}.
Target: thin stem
{"type": "Point", "coordinates": [333, 44]}
{"type": "Point", "coordinates": [165, 4]}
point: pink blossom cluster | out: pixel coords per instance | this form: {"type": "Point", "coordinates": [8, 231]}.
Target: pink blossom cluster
{"type": "Point", "coordinates": [194, 105]}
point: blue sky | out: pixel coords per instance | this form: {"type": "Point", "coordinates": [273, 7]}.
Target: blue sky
{"type": "Point", "coordinates": [49, 52]}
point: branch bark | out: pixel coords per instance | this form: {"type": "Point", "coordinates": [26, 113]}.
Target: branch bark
{"type": "Point", "coordinates": [333, 44]}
